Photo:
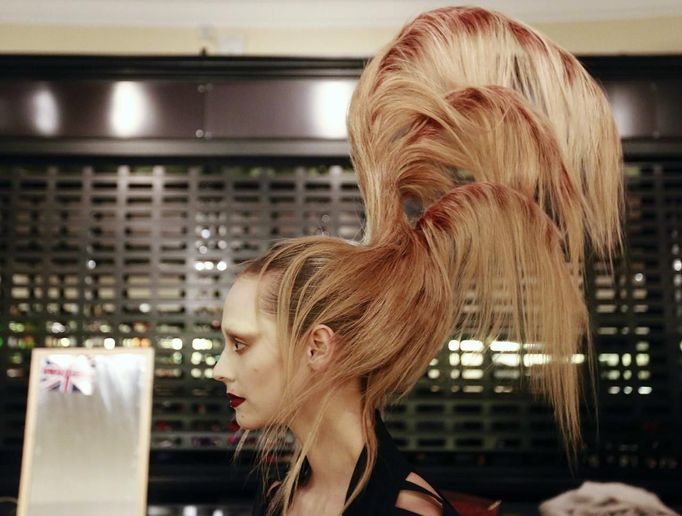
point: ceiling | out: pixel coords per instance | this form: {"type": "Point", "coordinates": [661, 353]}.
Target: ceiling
{"type": "Point", "coordinates": [308, 13]}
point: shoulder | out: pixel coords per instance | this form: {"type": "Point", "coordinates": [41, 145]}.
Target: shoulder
{"type": "Point", "coordinates": [416, 500]}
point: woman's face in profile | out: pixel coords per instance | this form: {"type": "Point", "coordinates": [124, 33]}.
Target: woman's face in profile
{"type": "Point", "coordinates": [250, 364]}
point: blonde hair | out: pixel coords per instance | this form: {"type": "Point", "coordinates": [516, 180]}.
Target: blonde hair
{"type": "Point", "coordinates": [510, 152]}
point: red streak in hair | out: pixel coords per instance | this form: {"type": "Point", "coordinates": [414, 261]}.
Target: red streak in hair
{"type": "Point", "coordinates": [526, 38]}
{"type": "Point", "coordinates": [474, 19]}
{"type": "Point", "coordinates": [570, 68]}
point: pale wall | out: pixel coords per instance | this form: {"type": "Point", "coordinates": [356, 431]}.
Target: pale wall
{"type": "Point", "coordinates": [642, 36]}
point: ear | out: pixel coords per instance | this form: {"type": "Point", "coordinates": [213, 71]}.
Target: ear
{"type": "Point", "coordinates": [320, 348]}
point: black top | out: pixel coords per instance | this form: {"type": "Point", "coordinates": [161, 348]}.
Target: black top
{"type": "Point", "coordinates": [386, 481]}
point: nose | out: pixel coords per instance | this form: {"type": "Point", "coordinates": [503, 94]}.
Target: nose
{"type": "Point", "coordinates": [222, 371]}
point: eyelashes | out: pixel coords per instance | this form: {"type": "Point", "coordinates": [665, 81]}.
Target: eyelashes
{"type": "Point", "coordinates": [230, 340]}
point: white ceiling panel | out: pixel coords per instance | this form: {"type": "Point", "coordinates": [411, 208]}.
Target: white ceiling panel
{"type": "Point", "coordinates": [308, 13]}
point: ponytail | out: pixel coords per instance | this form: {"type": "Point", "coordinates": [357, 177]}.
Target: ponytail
{"type": "Point", "coordinates": [467, 89]}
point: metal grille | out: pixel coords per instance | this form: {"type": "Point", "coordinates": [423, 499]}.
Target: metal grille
{"type": "Point", "coordinates": [121, 254]}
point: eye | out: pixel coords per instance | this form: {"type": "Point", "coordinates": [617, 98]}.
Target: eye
{"type": "Point", "coordinates": [236, 342]}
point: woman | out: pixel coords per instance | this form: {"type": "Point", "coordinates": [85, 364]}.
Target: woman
{"type": "Point", "coordinates": [509, 151]}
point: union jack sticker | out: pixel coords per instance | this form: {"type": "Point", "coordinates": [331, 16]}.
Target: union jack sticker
{"type": "Point", "coordinates": [68, 373]}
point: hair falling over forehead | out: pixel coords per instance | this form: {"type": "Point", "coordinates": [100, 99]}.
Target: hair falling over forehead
{"type": "Point", "coordinates": [498, 254]}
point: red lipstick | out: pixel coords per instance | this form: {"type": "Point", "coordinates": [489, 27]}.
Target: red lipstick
{"type": "Point", "coordinates": [235, 401]}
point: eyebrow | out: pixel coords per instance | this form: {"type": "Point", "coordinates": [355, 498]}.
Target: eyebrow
{"type": "Point", "coordinates": [239, 334]}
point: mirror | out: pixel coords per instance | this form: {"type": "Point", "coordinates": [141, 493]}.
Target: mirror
{"type": "Point", "coordinates": [87, 433]}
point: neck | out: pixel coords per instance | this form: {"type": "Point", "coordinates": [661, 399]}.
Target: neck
{"type": "Point", "coordinates": [339, 443]}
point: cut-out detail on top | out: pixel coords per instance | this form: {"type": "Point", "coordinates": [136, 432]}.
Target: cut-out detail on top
{"type": "Point", "coordinates": [424, 500]}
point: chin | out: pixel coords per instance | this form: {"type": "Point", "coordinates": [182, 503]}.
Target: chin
{"type": "Point", "coordinates": [246, 423]}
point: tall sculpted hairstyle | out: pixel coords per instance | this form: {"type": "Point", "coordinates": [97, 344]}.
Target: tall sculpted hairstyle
{"type": "Point", "coordinates": [496, 252]}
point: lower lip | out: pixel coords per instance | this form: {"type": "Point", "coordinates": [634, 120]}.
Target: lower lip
{"type": "Point", "coordinates": [236, 402]}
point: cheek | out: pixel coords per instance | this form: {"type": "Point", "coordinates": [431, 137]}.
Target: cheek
{"type": "Point", "coordinates": [262, 370]}
{"type": "Point", "coordinates": [271, 375]}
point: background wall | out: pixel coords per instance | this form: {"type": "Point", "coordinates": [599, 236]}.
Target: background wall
{"type": "Point", "coordinates": [658, 35]}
